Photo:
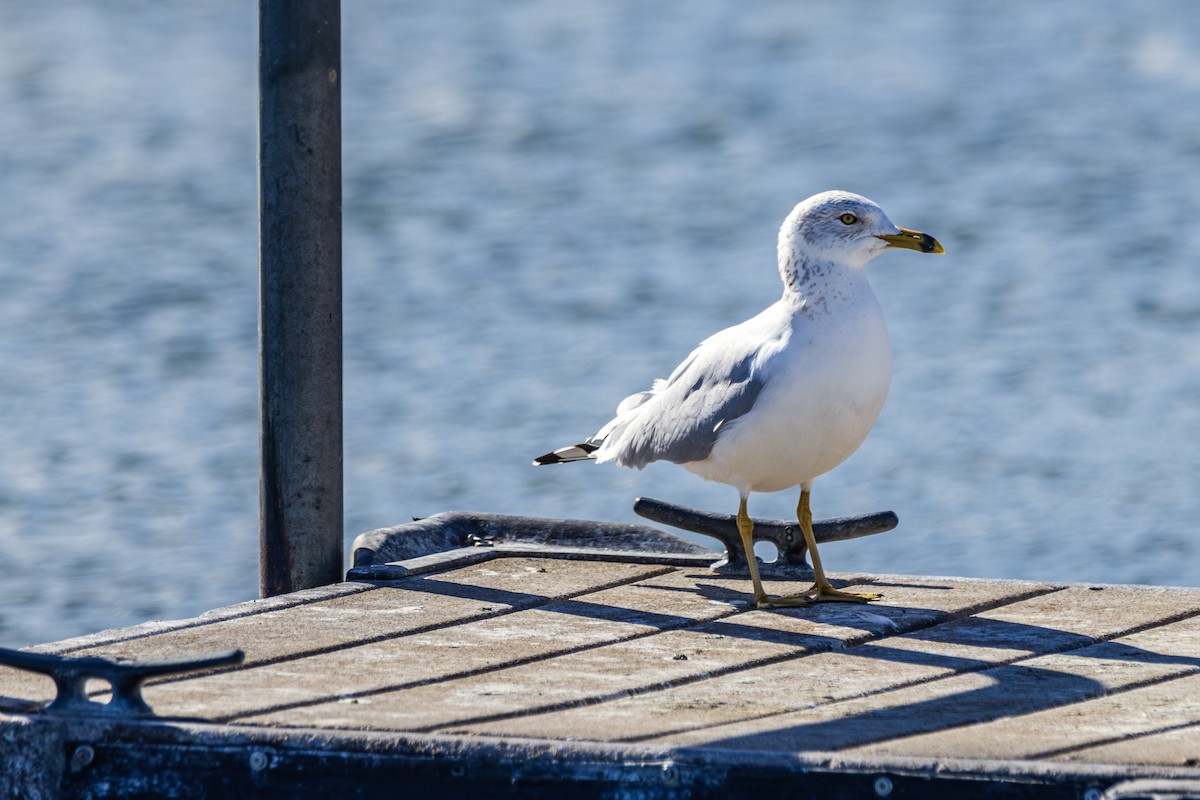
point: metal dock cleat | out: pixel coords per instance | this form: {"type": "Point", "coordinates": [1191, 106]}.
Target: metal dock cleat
{"type": "Point", "coordinates": [70, 676]}
{"type": "Point", "coordinates": [785, 536]}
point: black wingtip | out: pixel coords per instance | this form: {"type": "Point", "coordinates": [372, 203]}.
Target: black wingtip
{"type": "Point", "coordinates": [564, 455]}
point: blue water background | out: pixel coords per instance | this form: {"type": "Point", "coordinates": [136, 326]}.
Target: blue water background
{"type": "Point", "coordinates": [547, 204]}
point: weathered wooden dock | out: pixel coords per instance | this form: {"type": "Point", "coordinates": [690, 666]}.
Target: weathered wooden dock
{"type": "Point", "coordinates": [536, 671]}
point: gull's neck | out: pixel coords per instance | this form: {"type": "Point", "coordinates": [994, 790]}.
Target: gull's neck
{"type": "Point", "coordinates": [812, 283]}
{"type": "Point", "coordinates": [802, 274]}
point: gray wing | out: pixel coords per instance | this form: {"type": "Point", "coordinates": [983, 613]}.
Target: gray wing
{"type": "Point", "coordinates": [715, 385]}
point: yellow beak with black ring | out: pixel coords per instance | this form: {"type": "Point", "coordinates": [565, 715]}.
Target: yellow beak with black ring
{"type": "Point", "coordinates": [913, 240]}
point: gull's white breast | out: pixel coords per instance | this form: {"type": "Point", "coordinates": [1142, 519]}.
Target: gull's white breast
{"type": "Point", "coordinates": [823, 392]}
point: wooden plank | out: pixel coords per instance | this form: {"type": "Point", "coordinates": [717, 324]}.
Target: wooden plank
{"type": "Point", "coordinates": [1166, 657]}
{"type": "Point", "coordinates": [1178, 747]}
{"type": "Point", "coordinates": [687, 655]}
{"type": "Point", "coordinates": [888, 699]}
{"type": "Point", "coordinates": [258, 606]}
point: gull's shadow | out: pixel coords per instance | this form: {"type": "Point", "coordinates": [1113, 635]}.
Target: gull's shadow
{"type": "Point", "coordinates": [1015, 689]}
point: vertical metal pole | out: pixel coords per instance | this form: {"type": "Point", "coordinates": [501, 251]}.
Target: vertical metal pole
{"type": "Point", "coordinates": [300, 294]}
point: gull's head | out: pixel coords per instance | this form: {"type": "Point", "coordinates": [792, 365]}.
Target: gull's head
{"type": "Point", "coordinates": [845, 228]}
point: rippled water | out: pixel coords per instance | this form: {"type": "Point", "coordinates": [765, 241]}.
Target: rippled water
{"type": "Point", "coordinates": [547, 205]}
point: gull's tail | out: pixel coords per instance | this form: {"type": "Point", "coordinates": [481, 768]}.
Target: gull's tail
{"type": "Point", "coordinates": [576, 452]}
{"type": "Point", "coordinates": [586, 451]}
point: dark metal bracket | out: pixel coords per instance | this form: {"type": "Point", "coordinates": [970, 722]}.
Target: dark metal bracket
{"type": "Point", "coordinates": [71, 675]}
{"type": "Point", "coordinates": [786, 536]}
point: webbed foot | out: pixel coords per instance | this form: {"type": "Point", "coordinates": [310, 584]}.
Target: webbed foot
{"type": "Point", "coordinates": [783, 601]}
{"type": "Point", "coordinates": [825, 593]}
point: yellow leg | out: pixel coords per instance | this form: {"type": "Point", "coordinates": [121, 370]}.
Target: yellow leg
{"type": "Point", "coordinates": [822, 589]}
{"type": "Point", "coordinates": [761, 600]}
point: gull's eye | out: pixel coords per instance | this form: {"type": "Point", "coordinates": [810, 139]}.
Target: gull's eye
{"type": "Point", "coordinates": [848, 219]}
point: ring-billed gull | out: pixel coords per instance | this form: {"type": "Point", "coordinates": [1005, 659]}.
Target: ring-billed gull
{"type": "Point", "coordinates": [785, 396]}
